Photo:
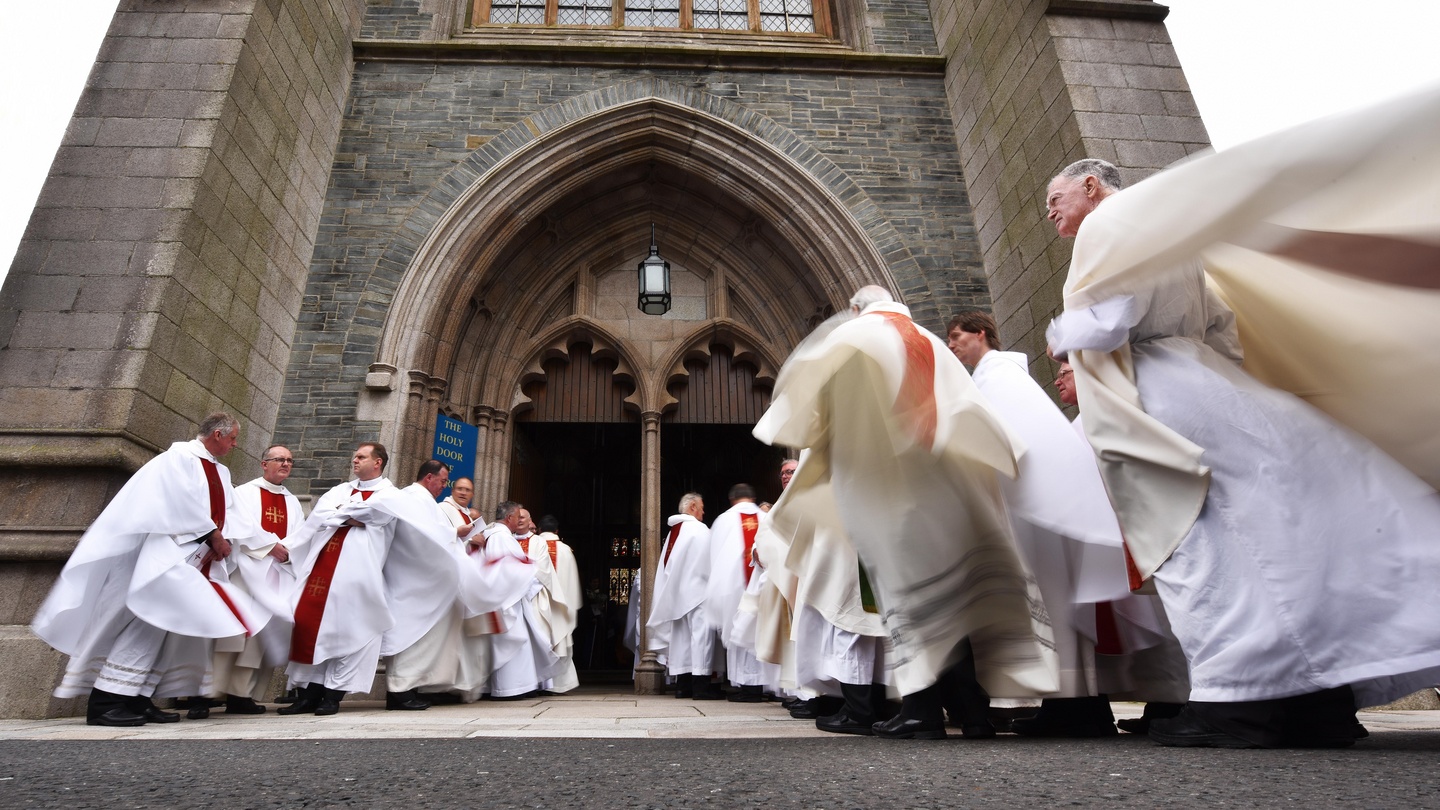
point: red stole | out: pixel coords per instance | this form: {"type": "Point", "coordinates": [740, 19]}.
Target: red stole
{"type": "Point", "coordinates": [463, 512]}
{"type": "Point", "coordinates": [916, 403]}
{"type": "Point", "coordinates": [217, 493]}
{"type": "Point", "coordinates": [316, 593]}
{"type": "Point", "coordinates": [670, 544]}
{"type": "Point", "coordinates": [274, 514]}
{"type": "Point", "coordinates": [217, 514]}
{"type": "Point", "coordinates": [554, 553]}
{"type": "Point", "coordinates": [749, 524]}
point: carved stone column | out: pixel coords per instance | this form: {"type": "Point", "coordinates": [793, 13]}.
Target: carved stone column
{"type": "Point", "coordinates": [649, 675]}
{"type": "Point", "coordinates": [496, 463]}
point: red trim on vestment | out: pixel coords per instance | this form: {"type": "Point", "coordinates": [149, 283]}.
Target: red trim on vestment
{"type": "Point", "coordinates": [274, 514]}
{"type": "Point", "coordinates": [916, 402]}
{"type": "Point", "coordinates": [316, 592]}
{"type": "Point", "coordinates": [670, 544]}
{"type": "Point", "coordinates": [217, 492]}
{"type": "Point", "coordinates": [554, 553]}
{"type": "Point", "coordinates": [749, 524]}
{"type": "Point", "coordinates": [1107, 632]}
{"type": "Point", "coordinates": [225, 597]}
{"type": "Point", "coordinates": [313, 597]}
{"type": "Point", "coordinates": [1131, 570]}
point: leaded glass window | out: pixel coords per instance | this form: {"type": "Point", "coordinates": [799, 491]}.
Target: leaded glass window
{"type": "Point", "coordinates": [758, 16]}
{"type": "Point", "coordinates": [582, 12]}
{"type": "Point", "coordinates": [795, 16]}
{"type": "Point", "coordinates": [526, 12]}
{"type": "Point", "coordinates": [652, 13]}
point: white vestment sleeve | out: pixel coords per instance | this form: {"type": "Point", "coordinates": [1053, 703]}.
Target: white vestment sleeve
{"type": "Point", "coordinates": [1104, 327]}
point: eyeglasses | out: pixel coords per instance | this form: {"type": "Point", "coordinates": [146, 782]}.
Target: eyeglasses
{"type": "Point", "coordinates": [1062, 375]}
{"type": "Point", "coordinates": [277, 460]}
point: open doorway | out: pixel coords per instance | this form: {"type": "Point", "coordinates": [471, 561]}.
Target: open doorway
{"type": "Point", "coordinates": [709, 459]}
{"type": "Point", "coordinates": [588, 476]}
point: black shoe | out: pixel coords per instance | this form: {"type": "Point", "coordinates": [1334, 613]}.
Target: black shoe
{"type": "Point", "coordinates": [153, 714]}
{"type": "Point", "coordinates": [977, 731]}
{"type": "Point", "coordinates": [330, 702]}
{"type": "Point", "coordinates": [705, 690]}
{"type": "Point", "coordinates": [817, 707]}
{"type": "Point", "coordinates": [118, 716]}
{"type": "Point", "coordinates": [242, 705]}
{"type": "Point", "coordinates": [842, 723]}
{"type": "Point", "coordinates": [406, 701]}
{"type": "Point", "coordinates": [747, 694]}
{"type": "Point", "coordinates": [684, 686]}
{"type": "Point", "coordinates": [900, 727]}
{"type": "Point", "coordinates": [1153, 711]}
{"type": "Point", "coordinates": [198, 713]}
{"type": "Point", "coordinates": [290, 696]}
{"type": "Point", "coordinates": [1186, 730]}
{"type": "Point", "coordinates": [440, 698]}
{"type": "Point", "coordinates": [143, 706]}
{"type": "Point", "coordinates": [1134, 725]}
{"type": "Point", "coordinates": [1324, 719]}
{"type": "Point", "coordinates": [1043, 726]}
{"type": "Point", "coordinates": [790, 702]}
{"type": "Point", "coordinates": [307, 703]}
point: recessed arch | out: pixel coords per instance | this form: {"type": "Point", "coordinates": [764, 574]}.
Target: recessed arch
{"type": "Point", "coordinates": [450, 242]}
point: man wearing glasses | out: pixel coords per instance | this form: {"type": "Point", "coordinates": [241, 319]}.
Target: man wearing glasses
{"type": "Point", "coordinates": [262, 569]}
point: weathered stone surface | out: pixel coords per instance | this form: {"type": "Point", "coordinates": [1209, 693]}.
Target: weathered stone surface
{"type": "Point", "coordinates": [1031, 92]}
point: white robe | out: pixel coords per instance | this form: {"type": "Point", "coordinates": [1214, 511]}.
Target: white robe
{"type": "Point", "coordinates": [825, 633]}
{"type": "Point", "coordinates": [558, 603]}
{"type": "Point", "coordinates": [394, 578]}
{"type": "Point", "coordinates": [520, 655]}
{"type": "Point", "coordinates": [896, 426]}
{"type": "Point", "coordinates": [732, 572]}
{"type": "Point", "coordinates": [677, 631]}
{"type": "Point", "coordinates": [242, 664]}
{"type": "Point", "coordinates": [1063, 522]}
{"type": "Point", "coordinates": [132, 592]}
{"type": "Point", "coordinates": [1300, 573]}
{"type": "Point", "coordinates": [471, 676]}
{"type": "Point", "coordinates": [432, 663]}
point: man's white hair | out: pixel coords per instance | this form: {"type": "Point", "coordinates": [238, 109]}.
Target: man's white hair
{"type": "Point", "coordinates": [1104, 171]}
{"type": "Point", "coordinates": [687, 500]}
{"type": "Point", "coordinates": [870, 294]}
{"type": "Point", "coordinates": [222, 422]}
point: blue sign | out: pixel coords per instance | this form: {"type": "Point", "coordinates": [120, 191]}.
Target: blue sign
{"type": "Point", "coordinates": [456, 444]}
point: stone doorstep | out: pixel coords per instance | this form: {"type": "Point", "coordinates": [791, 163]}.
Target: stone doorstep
{"type": "Point", "coordinates": [589, 715]}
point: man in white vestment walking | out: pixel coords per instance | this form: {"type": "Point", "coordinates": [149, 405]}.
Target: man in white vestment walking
{"type": "Point", "coordinates": [262, 569]}
{"type": "Point", "coordinates": [558, 603]}
{"type": "Point", "coordinates": [144, 593]}
{"type": "Point", "coordinates": [365, 588]}
{"type": "Point", "coordinates": [685, 642]}
{"type": "Point", "coordinates": [1154, 675]}
{"type": "Point", "coordinates": [907, 452]}
{"type": "Point", "coordinates": [1298, 587]}
{"type": "Point", "coordinates": [732, 567]}
{"type": "Point", "coordinates": [833, 640]}
{"type": "Point", "coordinates": [1064, 527]}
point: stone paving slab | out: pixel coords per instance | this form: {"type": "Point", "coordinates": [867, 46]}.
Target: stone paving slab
{"type": "Point", "coordinates": [587, 713]}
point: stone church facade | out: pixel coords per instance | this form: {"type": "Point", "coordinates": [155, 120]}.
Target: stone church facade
{"type": "Point", "coordinates": [338, 219]}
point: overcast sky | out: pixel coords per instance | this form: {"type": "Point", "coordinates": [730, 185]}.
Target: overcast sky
{"type": "Point", "coordinates": [1255, 66]}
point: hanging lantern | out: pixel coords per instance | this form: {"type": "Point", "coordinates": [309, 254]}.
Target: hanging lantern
{"type": "Point", "coordinates": [654, 281]}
